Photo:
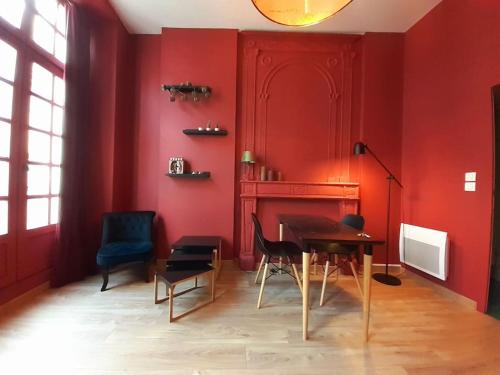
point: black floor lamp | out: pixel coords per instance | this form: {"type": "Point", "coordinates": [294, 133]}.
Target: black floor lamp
{"type": "Point", "coordinates": [384, 278]}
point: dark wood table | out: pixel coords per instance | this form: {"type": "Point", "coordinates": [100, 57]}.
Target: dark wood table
{"type": "Point", "coordinates": [212, 243]}
{"type": "Point", "coordinates": [309, 230]}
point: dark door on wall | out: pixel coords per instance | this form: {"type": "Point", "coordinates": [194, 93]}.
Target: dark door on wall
{"type": "Point", "coordinates": [494, 294]}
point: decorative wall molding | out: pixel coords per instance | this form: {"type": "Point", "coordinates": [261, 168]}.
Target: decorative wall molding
{"type": "Point", "coordinates": [278, 64]}
{"type": "Point", "coordinates": [264, 59]}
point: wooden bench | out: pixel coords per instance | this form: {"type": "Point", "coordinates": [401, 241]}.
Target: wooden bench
{"type": "Point", "coordinates": [181, 272]}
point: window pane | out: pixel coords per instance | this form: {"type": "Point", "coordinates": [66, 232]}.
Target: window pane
{"type": "Point", "coordinates": [40, 114]}
{"type": "Point", "coordinates": [43, 34]}
{"type": "Point", "coordinates": [38, 147]}
{"type": "Point", "coordinates": [60, 48]}
{"type": "Point", "coordinates": [37, 213]}
{"type": "Point", "coordinates": [56, 150]}
{"type": "Point", "coordinates": [38, 180]}
{"type": "Point", "coordinates": [41, 81]}
{"type": "Point", "coordinates": [4, 217]}
{"type": "Point", "coordinates": [61, 19]}
{"type": "Point", "coordinates": [48, 9]}
{"type": "Point", "coordinates": [6, 92]}
{"type": "Point", "coordinates": [13, 13]}
{"type": "Point", "coordinates": [57, 120]}
{"type": "Point", "coordinates": [59, 91]}
{"type": "Point", "coordinates": [4, 139]}
{"type": "Point", "coordinates": [55, 182]}
{"type": "Point", "coordinates": [4, 178]}
{"type": "Point", "coordinates": [8, 61]}
{"type": "Point", "coordinates": [54, 211]}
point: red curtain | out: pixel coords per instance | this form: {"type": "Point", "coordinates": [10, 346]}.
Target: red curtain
{"type": "Point", "coordinates": [70, 256]}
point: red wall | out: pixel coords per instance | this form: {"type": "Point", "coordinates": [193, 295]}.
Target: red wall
{"type": "Point", "coordinates": [187, 206]}
{"type": "Point", "coordinates": [362, 67]}
{"type": "Point", "coordinates": [451, 62]}
{"type": "Point", "coordinates": [148, 99]}
{"type": "Point", "coordinates": [381, 117]}
{"type": "Point", "coordinates": [288, 118]}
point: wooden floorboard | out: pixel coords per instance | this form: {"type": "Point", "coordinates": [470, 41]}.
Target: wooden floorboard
{"type": "Point", "coordinates": [415, 330]}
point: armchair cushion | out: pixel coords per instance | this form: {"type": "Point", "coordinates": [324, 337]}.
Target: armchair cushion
{"type": "Point", "coordinates": [114, 253]}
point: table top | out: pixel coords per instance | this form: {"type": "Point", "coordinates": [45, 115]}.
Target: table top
{"type": "Point", "coordinates": [201, 241]}
{"type": "Point", "coordinates": [173, 275]}
{"type": "Point", "coordinates": [311, 228]}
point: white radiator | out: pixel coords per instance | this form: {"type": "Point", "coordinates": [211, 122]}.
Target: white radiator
{"type": "Point", "coordinates": [424, 249]}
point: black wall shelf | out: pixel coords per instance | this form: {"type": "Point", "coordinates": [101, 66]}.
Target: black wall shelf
{"type": "Point", "coordinates": [187, 88]}
{"type": "Point", "coordinates": [201, 175]}
{"type": "Point", "coordinates": [220, 132]}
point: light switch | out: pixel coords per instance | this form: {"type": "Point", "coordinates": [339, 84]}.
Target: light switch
{"type": "Point", "coordinates": [470, 186]}
{"type": "Point", "coordinates": [470, 176]}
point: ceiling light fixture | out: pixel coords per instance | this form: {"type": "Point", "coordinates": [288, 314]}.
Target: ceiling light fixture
{"type": "Point", "coordinates": [299, 12]}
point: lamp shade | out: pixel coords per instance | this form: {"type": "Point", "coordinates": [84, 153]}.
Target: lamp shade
{"type": "Point", "coordinates": [299, 12]}
{"type": "Point", "coordinates": [248, 157]}
{"type": "Point", "coordinates": [359, 148]}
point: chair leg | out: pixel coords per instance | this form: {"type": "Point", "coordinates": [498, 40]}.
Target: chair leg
{"type": "Point", "coordinates": [281, 265]}
{"type": "Point", "coordinates": [263, 283]}
{"type": "Point", "coordinates": [156, 289]}
{"type": "Point", "coordinates": [105, 278]}
{"type": "Point", "coordinates": [314, 262]}
{"type": "Point", "coordinates": [323, 287]}
{"type": "Point", "coordinates": [147, 266]}
{"type": "Point", "coordinates": [260, 268]}
{"type": "Point", "coordinates": [299, 282]}
{"type": "Point", "coordinates": [356, 277]}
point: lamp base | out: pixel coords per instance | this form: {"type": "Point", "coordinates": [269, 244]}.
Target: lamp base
{"type": "Point", "coordinates": [386, 279]}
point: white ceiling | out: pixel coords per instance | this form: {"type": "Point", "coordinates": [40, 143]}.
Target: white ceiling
{"type": "Point", "coordinates": [149, 16]}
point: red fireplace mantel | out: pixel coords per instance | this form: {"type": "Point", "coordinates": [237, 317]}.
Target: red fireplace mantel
{"type": "Point", "coordinates": [346, 193]}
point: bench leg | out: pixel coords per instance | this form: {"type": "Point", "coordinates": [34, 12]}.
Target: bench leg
{"type": "Point", "coordinates": [171, 303]}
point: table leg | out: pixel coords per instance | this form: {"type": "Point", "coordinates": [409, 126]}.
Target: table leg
{"type": "Point", "coordinates": [306, 259]}
{"type": "Point", "coordinates": [212, 285]}
{"type": "Point", "coordinates": [281, 239]}
{"type": "Point", "coordinates": [367, 280]}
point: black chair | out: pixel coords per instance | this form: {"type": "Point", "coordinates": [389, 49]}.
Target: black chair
{"type": "Point", "coordinates": [126, 238]}
{"type": "Point", "coordinates": [341, 252]}
{"type": "Point", "coordinates": [275, 250]}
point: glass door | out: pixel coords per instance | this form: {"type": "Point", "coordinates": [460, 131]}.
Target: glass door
{"type": "Point", "coordinates": [8, 64]}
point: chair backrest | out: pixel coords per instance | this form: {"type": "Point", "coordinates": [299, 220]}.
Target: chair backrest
{"type": "Point", "coordinates": [260, 241]}
{"type": "Point", "coordinates": [355, 221]}
{"type": "Point", "coordinates": [127, 226]}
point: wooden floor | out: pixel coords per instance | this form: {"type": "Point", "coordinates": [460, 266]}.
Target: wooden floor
{"type": "Point", "coordinates": [79, 330]}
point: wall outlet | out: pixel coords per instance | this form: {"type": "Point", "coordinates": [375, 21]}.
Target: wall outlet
{"type": "Point", "coordinates": [470, 176]}
{"type": "Point", "coordinates": [470, 186]}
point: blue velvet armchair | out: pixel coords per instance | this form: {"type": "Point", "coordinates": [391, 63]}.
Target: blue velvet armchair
{"type": "Point", "coordinates": [126, 238]}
